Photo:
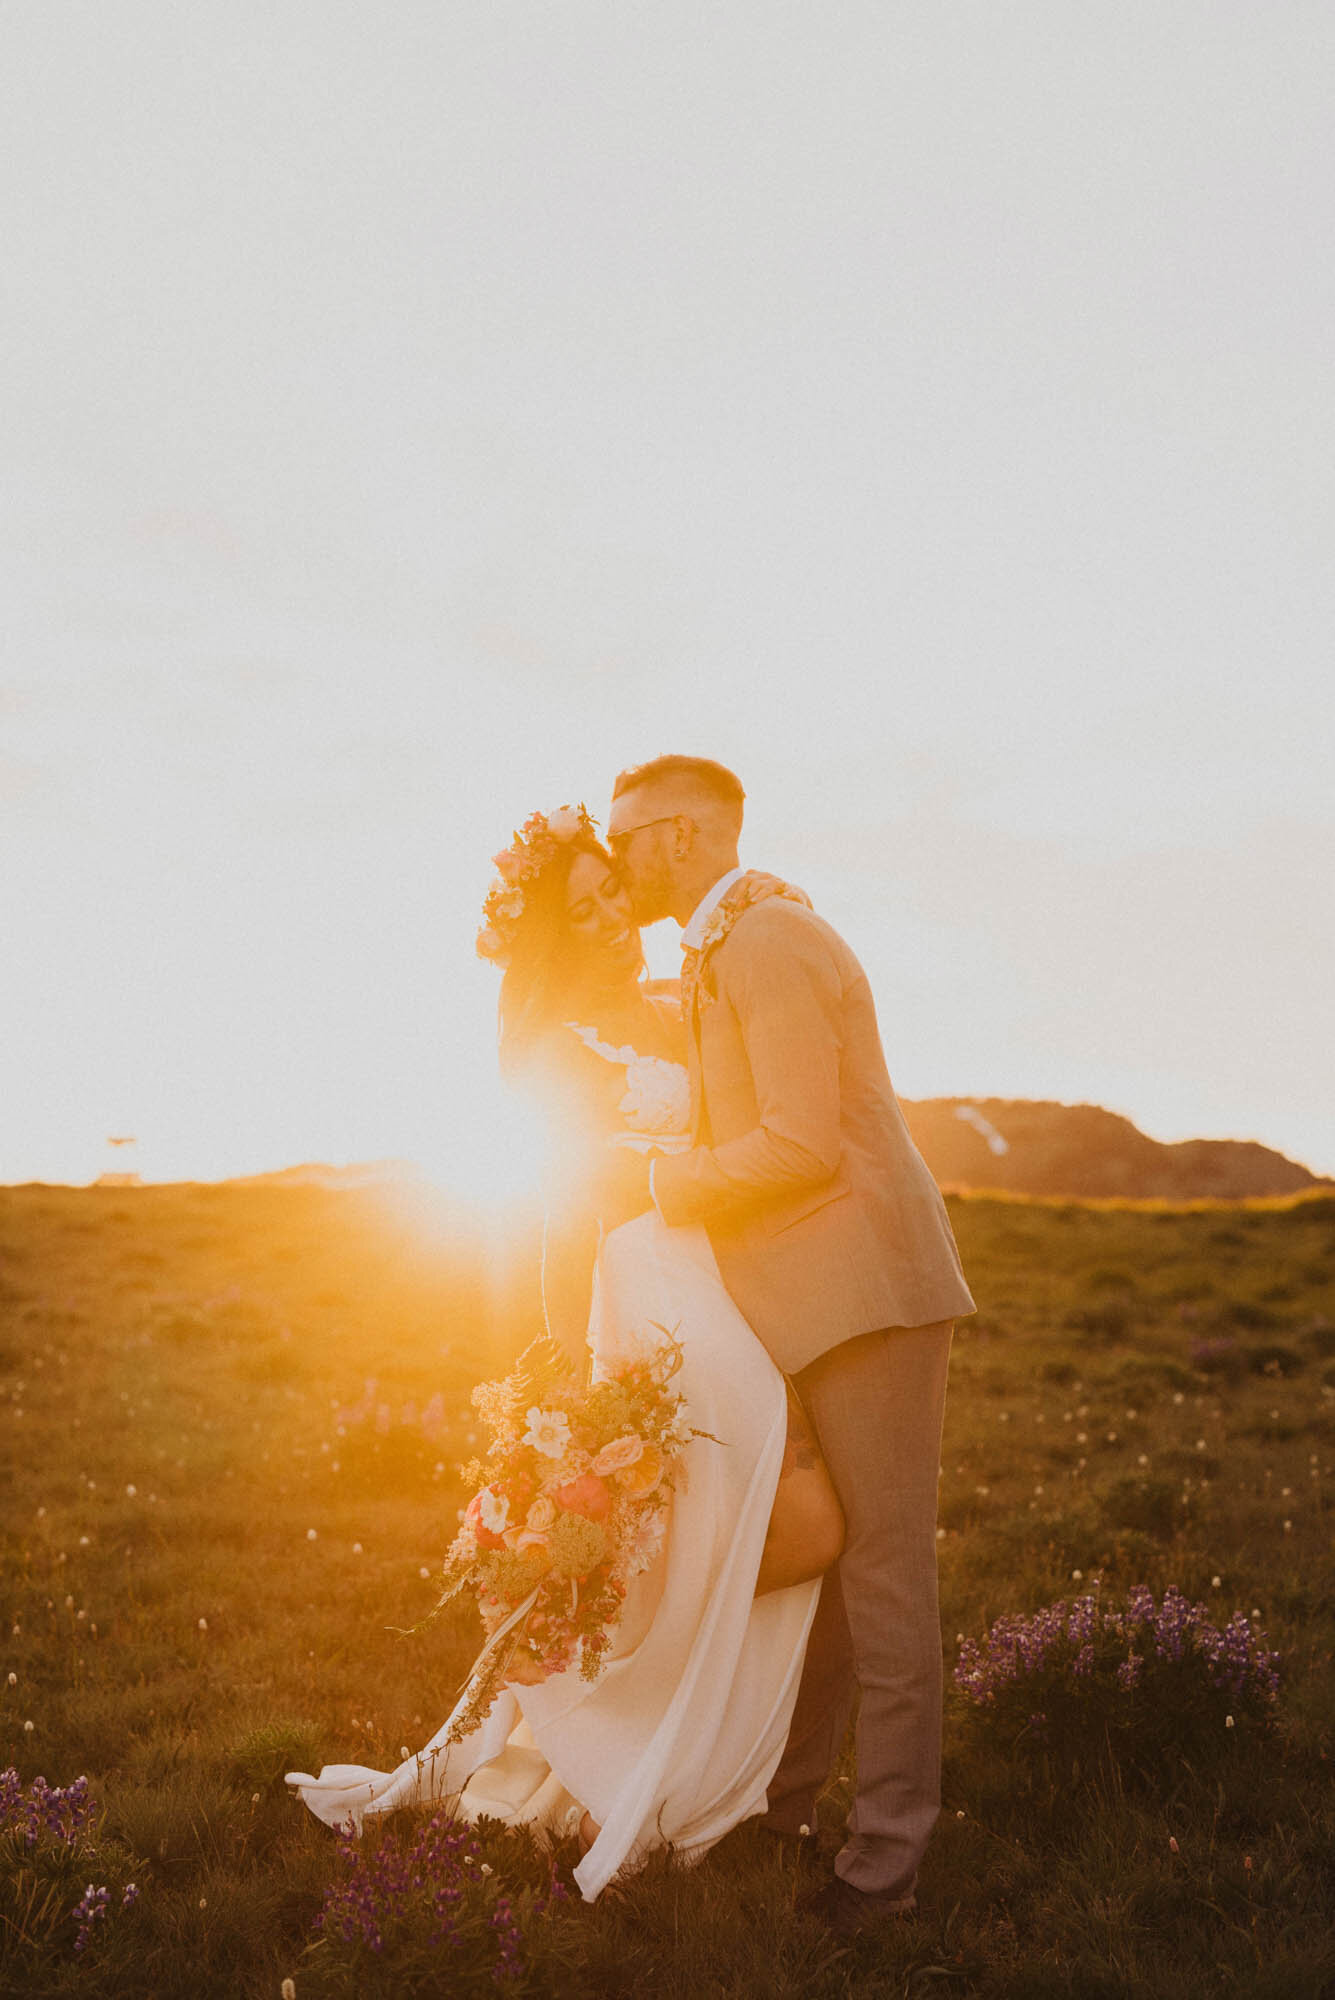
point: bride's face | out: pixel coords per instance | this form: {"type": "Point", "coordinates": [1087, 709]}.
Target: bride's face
{"type": "Point", "coordinates": [598, 915]}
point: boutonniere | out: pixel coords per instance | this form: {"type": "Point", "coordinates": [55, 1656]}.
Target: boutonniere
{"type": "Point", "coordinates": [753, 888]}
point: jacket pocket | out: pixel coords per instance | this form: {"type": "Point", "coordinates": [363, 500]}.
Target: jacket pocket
{"type": "Point", "coordinates": [783, 1215]}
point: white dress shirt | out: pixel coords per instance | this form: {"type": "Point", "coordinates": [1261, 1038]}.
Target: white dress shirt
{"type": "Point", "coordinates": [692, 932]}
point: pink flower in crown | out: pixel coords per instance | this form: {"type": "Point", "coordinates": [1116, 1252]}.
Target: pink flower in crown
{"type": "Point", "coordinates": [531, 850]}
{"type": "Point", "coordinates": [566, 822]}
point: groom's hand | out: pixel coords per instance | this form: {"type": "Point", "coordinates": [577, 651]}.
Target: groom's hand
{"type": "Point", "coordinates": [624, 1187]}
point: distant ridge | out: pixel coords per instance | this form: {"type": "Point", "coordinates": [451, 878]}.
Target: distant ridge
{"type": "Point", "coordinates": [1034, 1147]}
{"type": "Point", "coordinates": [1019, 1145]}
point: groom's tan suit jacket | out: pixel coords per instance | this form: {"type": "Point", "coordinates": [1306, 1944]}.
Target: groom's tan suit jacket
{"type": "Point", "coordinates": [823, 1216]}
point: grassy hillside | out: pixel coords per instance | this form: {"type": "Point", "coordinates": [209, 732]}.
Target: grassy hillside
{"type": "Point", "coordinates": [228, 1438]}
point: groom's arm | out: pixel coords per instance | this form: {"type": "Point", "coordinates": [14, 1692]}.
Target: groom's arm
{"type": "Point", "coordinates": [779, 976]}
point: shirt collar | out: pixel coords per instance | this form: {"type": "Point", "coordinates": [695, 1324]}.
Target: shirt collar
{"type": "Point", "coordinates": [693, 929]}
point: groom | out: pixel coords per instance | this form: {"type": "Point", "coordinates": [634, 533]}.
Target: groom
{"type": "Point", "coordinates": [834, 1241]}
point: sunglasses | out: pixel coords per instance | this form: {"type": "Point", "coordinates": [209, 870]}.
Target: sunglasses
{"type": "Point", "coordinates": [618, 841]}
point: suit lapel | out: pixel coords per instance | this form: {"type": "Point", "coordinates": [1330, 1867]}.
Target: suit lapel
{"type": "Point", "coordinates": [690, 1007]}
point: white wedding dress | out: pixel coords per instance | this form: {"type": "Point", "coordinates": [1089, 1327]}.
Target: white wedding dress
{"type": "Point", "coordinates": [677, 1739]}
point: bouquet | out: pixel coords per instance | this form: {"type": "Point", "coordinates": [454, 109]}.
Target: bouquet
{"type": "Point", "coordinates": [570, 1504]}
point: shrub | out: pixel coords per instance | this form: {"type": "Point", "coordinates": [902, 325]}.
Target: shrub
{"type": "Point", "coordinates": [1079, 1687]}
{"type": "Point", "coordinates": [262, 1759]}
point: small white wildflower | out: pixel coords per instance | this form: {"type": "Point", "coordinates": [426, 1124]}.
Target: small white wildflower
{"type": "Point", "coordinates": [423, 1572]}
{"type": "Point", "coordinates": [486, 1868]}
{"type": "Point", "coordinates": [1228, 1722]}
{"type": "Point", "coordinates": [1179, 1397]}
{"type": "Point", "coordinates": [203, 1625]}
{"type": "Point", "coordinates": [1077, 1576]}
{"type": "Point", "coordinates": [548, 1432]}
{"type": "Point", "coordinates": [1215, 1582]}
{"type": "Point", "coordinates": [84, 1541]}
{"type": "Point", "coordinates": [804, 1832]}
{"type": "Point", "coordinates": [28, 1728]}
{"type": "Point", "coordinates": [1256, 1611]}
{"type": "Point", "coordinates": [356, 1548]}
{"type": "Point", "coordinates": [131, 1492]}
{"type": "Point", "coordinates": [940, 1534]}
{"type": "Point", "coordinates": [288, 1990]}
{"type": "Point", "coordinates": [1288, 1527]}
{"type": "Point", "coordinates": [1200, 1444]}
{"type": "Point", "coordinates": [203, 1902]}
{"type": "Point", "coordinates": [312, 1534]}
{"type": "Point", "coordinates": [1143, 1459]}
{"type": "Point", "coordinates": [1172, 1844]}
{"type": "Point", "coordinates": [959, 1814]}
{"type": "Point", "coordinates": [254, 1798]}
{"type": "Point", "coordinates": [13, 1680]}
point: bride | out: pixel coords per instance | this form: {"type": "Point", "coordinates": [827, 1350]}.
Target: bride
{"type": "Point", "coordinates": [677, 1739]}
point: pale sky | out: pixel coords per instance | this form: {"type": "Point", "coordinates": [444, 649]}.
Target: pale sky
{"type": "Point", "coordinates": [410, 415]}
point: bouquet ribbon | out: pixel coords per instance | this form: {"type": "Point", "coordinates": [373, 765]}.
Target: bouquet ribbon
{"type": "Point", "coordinates": [478, 1671]}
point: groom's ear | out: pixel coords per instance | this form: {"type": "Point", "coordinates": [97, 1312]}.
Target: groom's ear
{"type": "Point", "coordinates": [683, 835]}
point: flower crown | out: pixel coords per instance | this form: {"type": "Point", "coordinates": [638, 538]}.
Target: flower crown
{"type": "Point", "coordinates": [529, 853]}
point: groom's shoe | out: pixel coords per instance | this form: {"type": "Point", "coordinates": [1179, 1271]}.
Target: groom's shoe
{"type": "Point", "coordinates": [847, 1912]}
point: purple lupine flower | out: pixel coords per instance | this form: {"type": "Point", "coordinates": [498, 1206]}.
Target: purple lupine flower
{"type": "Point", "coordinates": [90, 1908]}
{"type": "Point", "coordinates": [1236, 1659]}
{"type": "Point", "coordinates": [439, 1869]}
{"type": "Point", "coordinates": [62, 1813]}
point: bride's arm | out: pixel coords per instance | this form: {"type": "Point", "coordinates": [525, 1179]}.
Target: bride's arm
{"type": "Point", "coordinates": [612, 1192]}
{"type": "Point", "coordinates": [569, 1251]}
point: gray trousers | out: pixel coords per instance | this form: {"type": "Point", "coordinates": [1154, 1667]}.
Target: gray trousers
{"type": "Point", "coordinates": [876, 1404]}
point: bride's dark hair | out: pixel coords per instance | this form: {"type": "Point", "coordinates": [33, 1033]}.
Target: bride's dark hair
{"type": "Point", "coordinates": [536, 987]}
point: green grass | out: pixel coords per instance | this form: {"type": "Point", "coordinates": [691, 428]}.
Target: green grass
{"type": "Point", "coordinates": [1147, 1394]}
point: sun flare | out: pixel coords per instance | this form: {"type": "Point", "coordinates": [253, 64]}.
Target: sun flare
{"type": "Point", "coordinates": [495, 1149]}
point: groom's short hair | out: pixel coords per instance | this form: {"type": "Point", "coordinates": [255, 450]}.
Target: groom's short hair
{"type": "Point", "coordinates": [700, 774]}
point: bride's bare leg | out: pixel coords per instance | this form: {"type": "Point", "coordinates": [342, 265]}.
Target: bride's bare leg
{"type": "Point", "coordinates": [806, 1523]}
{"type": "Point", "coordinates": [589, 1831]}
